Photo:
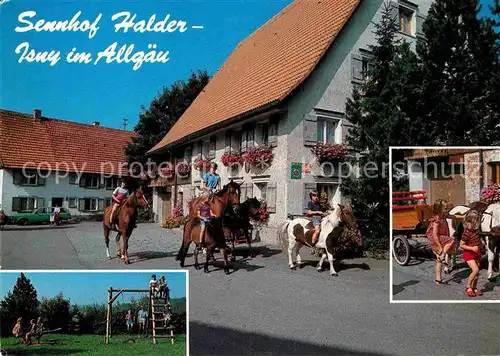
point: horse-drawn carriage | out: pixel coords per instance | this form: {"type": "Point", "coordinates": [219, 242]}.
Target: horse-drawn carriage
{"type": "Point", "coordinates": [410, 213]}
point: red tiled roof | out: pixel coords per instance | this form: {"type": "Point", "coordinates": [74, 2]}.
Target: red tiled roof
{"type": "Point", "coordinates": [84, 148]}
{"type": "Point", "coordinates": [267, 66]}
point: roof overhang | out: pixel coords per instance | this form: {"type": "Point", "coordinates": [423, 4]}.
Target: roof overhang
{"type": "Point", "coordinates": [255, 114]}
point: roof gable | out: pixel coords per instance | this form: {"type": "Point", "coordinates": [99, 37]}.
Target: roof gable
{"type": "Point", "coordinates": [267, 66]}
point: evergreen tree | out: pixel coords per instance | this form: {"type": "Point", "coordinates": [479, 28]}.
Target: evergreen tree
{"type": "Point", "coordinates": [21, 302]}
{"type": "Point", "coordinates": [459, 100]}
{"type": "Point", "coordinates": [382, 113]}
{"type": "Point", "coordinates": [164, 111]}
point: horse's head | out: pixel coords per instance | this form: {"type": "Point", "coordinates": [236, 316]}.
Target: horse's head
{"type": "Point", "coordinates": [231, 194]}
{"type": "Point", "coordinates": [342, 213]}
{"type": "Point", "coordinates": [138, 195]}
{"type": "Point", "coordinates": [253, 206]}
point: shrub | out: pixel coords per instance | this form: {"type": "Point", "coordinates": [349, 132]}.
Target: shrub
{"type": "Point", "coordinates": [171, 222]}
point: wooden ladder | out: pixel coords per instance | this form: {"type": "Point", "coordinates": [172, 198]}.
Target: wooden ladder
{"type": "Point", "coordinates": [158, 307]}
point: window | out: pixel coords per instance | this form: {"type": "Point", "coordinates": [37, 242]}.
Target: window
{"type": "Point", "coordinates": [112, 182]}
{"type": "Point", "coordinates": [24, 204]}
{"type": "Point", "coordinates": [366, 67]}
{"type": "Point", "coordinates": [326, 130]}
{"type": "Point", "coordinates": [236, 141]}
{"type": "Point", "coordinates": [495, 172]}
{"type": "Point", "coordinates": [264, 134]}
{"type": "Point", "coordinates": [72, 202]}
{"type": "Point", "coordinates": [90, 181]}
{"type": "Point", "coordinates": [73, 178]}
{"type": "Point", "coordinates": [107, 202]}
{"type": "Point", "coordinates": [406, 21]}
{"type": "Point", "coordinates": [25, 177]}
{"type": "Point", "coordinates": [261, 191]}
{"type": "Point", "coordinates": [88, 204]}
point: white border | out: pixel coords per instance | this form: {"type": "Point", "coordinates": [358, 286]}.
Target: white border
{"type": "Point", "coordinates": [186, 271]}
{"type": "Point", "coordinates": [452, 301]}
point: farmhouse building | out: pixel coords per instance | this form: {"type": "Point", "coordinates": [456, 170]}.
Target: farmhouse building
{"type": "Point", "coordinates": [44, 161]}
{"type": "Point", "coordinates": [457, 175]}
{"type": "Point", "coordinates": [285, 87]}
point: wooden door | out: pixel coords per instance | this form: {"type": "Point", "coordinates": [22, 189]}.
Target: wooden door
{"type": "Point", "coordinates": [166, 205]}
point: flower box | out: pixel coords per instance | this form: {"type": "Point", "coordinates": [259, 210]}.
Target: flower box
{"type": "Point", "coordinates": [231, 159]}
{"type": "Point", "coordinates": [259, 156]}
{"type": "Point", "coordinates": [167, 173]}
{"type": "Point", "coordinates": [491, 193]}
{"type": "Point", "coordinates": [329, 152]}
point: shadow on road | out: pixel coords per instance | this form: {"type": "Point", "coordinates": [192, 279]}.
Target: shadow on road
{"type": "Point", "coordinates": [37, 228]}
{"type": "Point", "coordinates": [259, 251]}
{"type": "Point", "coordinates": [216, 340]}
{"type": "Point", "coordinates": [338, 265]}
{"type": "Point", "coordinates": [149, 255]}
{"type": "Point", "coordinates": [398, 288]}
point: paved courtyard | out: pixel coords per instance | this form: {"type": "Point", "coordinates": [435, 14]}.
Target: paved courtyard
{"type": "Point", "coordinates": [264, 308]}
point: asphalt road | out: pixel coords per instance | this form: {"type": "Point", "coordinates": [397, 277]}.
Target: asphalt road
{"type": "Point", "coordinates": [263, 308]}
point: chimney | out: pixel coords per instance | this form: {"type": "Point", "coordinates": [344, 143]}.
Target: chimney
{"type": "Point", "coordinates": [96, 123]}
{"type": "Point", "coordinates": [37, 114]}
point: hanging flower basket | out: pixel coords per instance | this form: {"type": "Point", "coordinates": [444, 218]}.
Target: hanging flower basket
{"type": "Point", "coordinates": [202, 164]}
{"type": "Point", "coordinates": [259, 156]}
{"type": "Point", "coordinates": [230, 159]}
{"type": "Point", "coordinates": [183, 168]}
{"type": "Point", "coordinates": [491, 193]}
{"type": "Point", "coordinates": [167, 173]}
{"type": "Point", "coordinates": [328, 152]}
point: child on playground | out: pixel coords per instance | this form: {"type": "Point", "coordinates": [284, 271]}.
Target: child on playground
{"type": "Point", "coordinates": [162, 290]}
{"type": "Point", "coordinates": [471, 246]}
{"type": "Point", "coordinates": [439, 236]}
{"type": "Point", "coordinates": [119, 194]}
{"type": "Point", "coordinates": [129, 321]}
{"type": "Point", "coordinates": [17, 331]}
{"type": "Point", "coordinates": [153, 285]}
{"type": "Point", "coordinates": [141, 318]}
{"type": "Point", "coordinates": [32, 332]}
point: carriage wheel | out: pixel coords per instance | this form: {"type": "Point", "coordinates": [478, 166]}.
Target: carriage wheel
{"type": "Point", "coordinates": [401, 250]}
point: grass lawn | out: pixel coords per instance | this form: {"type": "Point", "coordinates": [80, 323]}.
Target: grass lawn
{"type": "Point", "coordinates": [93, 345]}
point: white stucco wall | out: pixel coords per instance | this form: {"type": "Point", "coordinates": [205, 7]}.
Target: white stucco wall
{"type": "Point", "coordinates": [51, 189]}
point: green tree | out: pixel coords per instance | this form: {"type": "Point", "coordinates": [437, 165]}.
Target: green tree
{"type": "Point", "coordinates": [21, 302]}
{"type": "Point", "coordinates": [459, 102]}
{"type": "Point", "coordinates": [163, 112]}
{"type": "Point", "coordinates": [55, 312]}
{"type": "Point", "coordinates": [382, 113]}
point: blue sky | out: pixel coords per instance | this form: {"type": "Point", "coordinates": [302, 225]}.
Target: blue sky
{"type": "Point", "coordinates": [111, 92]}
{"type": "Point", "coordinates": [89, 287]}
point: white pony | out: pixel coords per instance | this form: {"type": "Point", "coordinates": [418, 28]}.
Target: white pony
{"type": "Point", "coordinates": [490, 219]}
{"type": "Point", "coordinates": [299, 232]}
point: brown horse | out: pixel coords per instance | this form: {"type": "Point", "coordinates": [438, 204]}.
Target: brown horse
{"type": "Point", "coordinates": [127, 216]}
{"type": "Point", "coordinates": [214, 237]}
{"type": "Point", "coordinates": [229, 194]}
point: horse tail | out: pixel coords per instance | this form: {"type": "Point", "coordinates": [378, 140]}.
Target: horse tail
{"type": "Point", "coordinates": [180, 255]}
{"type": "Point", "coordinates": [283, 235]}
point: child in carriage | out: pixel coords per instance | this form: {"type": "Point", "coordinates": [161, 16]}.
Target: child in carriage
{"type": "Point", "coordinates": [471, 246]}
{"type": "Point", "coordinates": [119, 195]}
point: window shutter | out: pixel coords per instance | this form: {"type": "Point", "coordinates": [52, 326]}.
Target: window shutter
{"type": "Point", "coordinates": [271, 197]}
{"type": "Point", "coordinates": [228, 142]}
{"type": "Point", "coordinates": [193, 191]}
{"type": "Point", "coordinates": [16, 204]}
{"type": "Point", "coordinates": [212, 147]}
{"type": "Point", "coordinates": [40, 203]}
{"type": "Point", "coordinates": [308, 188]}
{"type": "Point", "coordinates": [357, 67]}
{"type": "Point", "coordinates": [249, 190]}
{"type": "Point", "coordinates": [310, 130]}
{"type": "Point", "coordinates": [18, 177]}
{"type": "Point", "coordinates": [81, 204]}
{"type": "Point", "coordinates": [420, 22]}
{"type": "Point", "coordinates": [101, 205]}
{"type": "Point", "coordinates": [395, 12]}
